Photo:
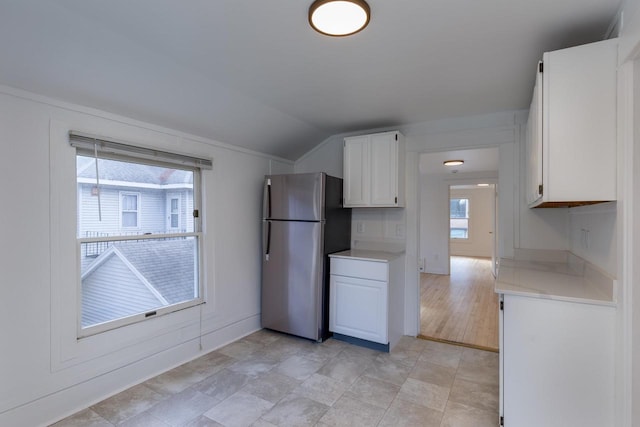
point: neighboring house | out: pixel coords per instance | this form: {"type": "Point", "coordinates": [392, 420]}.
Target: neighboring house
{"type": "Point", "coordinates": [123, 278]}
{"type": "Point", "coordinates": [133, 277]}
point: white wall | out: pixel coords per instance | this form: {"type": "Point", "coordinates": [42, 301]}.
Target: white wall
{"type": "Point", "coordinates": [46, 373]}
{"type": "Point", "coordinates": [435, 245]}
{"type": "Point", "coordinates": [481, 207]}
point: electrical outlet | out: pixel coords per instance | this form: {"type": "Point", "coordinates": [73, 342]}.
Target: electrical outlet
{"type": "Point", "coordinates": [360, 227]}
{"type": "Point", "coordinates": [399, 230]}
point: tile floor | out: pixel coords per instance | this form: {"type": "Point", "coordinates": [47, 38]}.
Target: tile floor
{"type": "Point", "coordinates": [269, 379]}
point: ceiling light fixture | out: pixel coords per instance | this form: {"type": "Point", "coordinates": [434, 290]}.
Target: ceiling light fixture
{"type": "Point", "coordinates": [453, 162]}
{"type": "Point", "coordinates": [483, 185]}
{"type": "Point", "coordinates": [339, 17]}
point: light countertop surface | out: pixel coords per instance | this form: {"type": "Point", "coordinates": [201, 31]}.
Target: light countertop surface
{"type": "Point", "coordinates": [566, 278]}
{"type": "Point", "coordinates": [367, 255]}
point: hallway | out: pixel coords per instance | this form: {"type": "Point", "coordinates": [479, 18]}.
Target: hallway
{"type": "Point", "coordinates": [461, 307]}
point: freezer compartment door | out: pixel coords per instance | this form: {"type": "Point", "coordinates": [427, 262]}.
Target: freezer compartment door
{"type": "Point", "coordinates": [292, 278]}
{"type": "Point", "coordinates": [297, 197]}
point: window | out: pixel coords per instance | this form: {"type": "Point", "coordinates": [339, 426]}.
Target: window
{"type": "Point", "coordinates": [459, 218]}
{"type": "Point", "coordinates": [135, 263]}
{"type": "Point", "coordinates": [129, 209]}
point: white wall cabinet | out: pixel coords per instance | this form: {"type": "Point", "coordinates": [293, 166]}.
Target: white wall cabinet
{"type": "Point", "coordinates": [367, 298]}
{"type": "Point", "coordinates": [374, 170]}
{"type": "Point", "coordinates": [571, 132]}
{"type": "Point", "coordinates": [557, 363]}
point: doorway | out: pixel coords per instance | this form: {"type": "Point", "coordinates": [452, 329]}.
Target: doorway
{"type": "Point", "coordinates": [458, 250]}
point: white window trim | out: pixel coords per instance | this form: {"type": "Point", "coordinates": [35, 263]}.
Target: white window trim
{"type": "Point", "coordinates": [138, 195]}
{"type": "Point", "coordinates": [86, 332]}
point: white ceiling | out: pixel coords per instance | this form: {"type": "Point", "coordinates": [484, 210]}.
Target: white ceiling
{"type": "Point", "coordinates": [254, 74]}
{"type": "Point", "coordinates": [475, 160]}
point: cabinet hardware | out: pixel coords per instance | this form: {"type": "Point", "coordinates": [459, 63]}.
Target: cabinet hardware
{"type": "Point", "coordinates": [541, 67]}
{"type": "Point", "coordinates": [502, 305]}
{"type": "Point", "coordinates": [501, 421]}
{"type": "Point", "coordinates": [540, 189]}
{"type": "Point", "coordinates": [396, 200]}
{"type": "Point", "coordinates": [196, 213]}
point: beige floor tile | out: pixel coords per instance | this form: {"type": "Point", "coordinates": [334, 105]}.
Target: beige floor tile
{"type": "Point", "coordinates": [345, 369]}
{"type": "Point", "coordinates": [479, 395]}
{"type": "Point", "coordinates": [432, 373]}
{"type": "Point", "coordinates": [84, 418]}
{"type": "Point", "coordinates": [406, 356]}
{"type": "Point", "coordinates": [127, 404]}
{"type": "Point", "coordinates": [323, 351]}
{"type": "Point", "coordinates": [241, 349]}
{"type": "Point", "coordinates": [271, 386]}
{"type": "Point", "coordinates": [373, 391]}
{"type": "Point", "coordinates": [349, 412]}
{"type": "Point", "coordinates": [175, 380]}
{"type": "Point", "coordinates": [144, 419]}
{"type": "Point", "coordinates": [222, 384]}
{"type": "Point", "coordinates": [182, 407]}
{"type": "Point", "coordinates": [322, 389]}
{"type": "Point", "coordinates": [388, 370]}
{"type": "Point", "coordinates": [459, 415]}
{"type": "Point", "coordinates": [239, 410]}
{"type": "Point", "coordinates": [294, 410]}
{"type": "Point", "coordinates": [441, 354]}
{"type": "Point", "coordinates": [426, 394]}
{"type": "Point", "coordinates": [264, 337]}
{"type": "Point", "coordinates": [255, 365]}
{"type": "Point", "coordinates": [202, 421]}
{"type": "Point", "coordinates": [269, 379]}
{"type": "Point", "coordinates": [406, 414]}
{"type": "Point", "coordinates": [299, 367]}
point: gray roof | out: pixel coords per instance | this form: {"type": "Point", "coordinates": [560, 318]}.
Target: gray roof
{"type": "Point", "coordinates": [137, 276]}
{"type": "Point", "coordinates": [112, 170]}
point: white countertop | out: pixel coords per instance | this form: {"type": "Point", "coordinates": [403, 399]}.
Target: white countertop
{"type": "Point", "coordinates": [367, 255]}
{"type": "Point", "coordinates": [569, 278]}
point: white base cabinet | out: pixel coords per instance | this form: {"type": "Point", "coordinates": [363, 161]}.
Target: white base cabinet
{"type": "Point", "coordinates": [557, 363]}
{"type": "Point", "coordinates": [367, 299]}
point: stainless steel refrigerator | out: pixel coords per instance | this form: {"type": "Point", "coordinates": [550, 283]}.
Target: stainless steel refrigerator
{"type": "Point", "coordinates": [303, 222]}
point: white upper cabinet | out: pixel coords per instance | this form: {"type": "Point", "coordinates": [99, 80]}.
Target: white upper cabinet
{"type": "Point", "coordinates": [571, 133]}
{"type": "Point", "coordinates": [374, 170]}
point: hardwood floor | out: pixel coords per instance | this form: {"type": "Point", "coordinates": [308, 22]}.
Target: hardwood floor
{"type": "Point", "coordinates": [461, 307]}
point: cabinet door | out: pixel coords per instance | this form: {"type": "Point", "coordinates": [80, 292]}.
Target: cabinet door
{"type": "Point", "coordinates": [358, 308]}
{"type": "Point", "coordinates": [534, 143]}
{"type": "Point", "coordinates": [356, 171]}
{"type": "Point", "coordinates": [558, 364]}
{"type": "Point", "coordinates": [384, 169]}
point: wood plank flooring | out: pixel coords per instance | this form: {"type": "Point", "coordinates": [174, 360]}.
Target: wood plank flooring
{"type": "Point", "coordinates": [461, 307]}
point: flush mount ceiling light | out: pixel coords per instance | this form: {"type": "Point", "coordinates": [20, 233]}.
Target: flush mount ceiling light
{"type": "Point", "coordinates": [482, 185]}
{"type": "Point", "coordinates": [453, 162]}
{"type": "Point", "coordinates": [339, 17]}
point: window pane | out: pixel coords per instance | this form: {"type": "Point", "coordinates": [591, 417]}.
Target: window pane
{"type": "Point", "coordinates": [459, 218]}
{"type": "Point", "coordinates": [123, 278]}
{"type": "Point", "coordinates": [129, 219]}
{"type": "Point", "coordinates": [132, 195]}
{"type": "Point", "coordinates": [129, 202]}
{"type": "Point", "coordinates": [459, 228]}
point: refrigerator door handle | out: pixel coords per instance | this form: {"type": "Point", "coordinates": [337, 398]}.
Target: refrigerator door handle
{"type": "Point", "coordinates": [267, 199]}
{"type": "Point", "coordinates": [268, 240]}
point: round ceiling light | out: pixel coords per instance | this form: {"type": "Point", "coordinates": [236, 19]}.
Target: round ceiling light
{"type": "Point", "coordinates": [339, 17]}
{"type": "Point", "coordinates": [453, 162]}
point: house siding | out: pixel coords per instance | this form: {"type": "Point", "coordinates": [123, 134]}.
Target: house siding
{"type": "Point", "coordinates": [112, 291]}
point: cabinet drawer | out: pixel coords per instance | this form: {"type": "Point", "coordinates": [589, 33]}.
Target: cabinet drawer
{"type": "Point", "coordinates": [358, 268]}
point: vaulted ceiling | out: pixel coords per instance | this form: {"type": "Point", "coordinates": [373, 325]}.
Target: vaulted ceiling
{"type": "Point", "coordinates": [254, 74]}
